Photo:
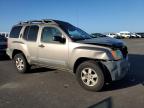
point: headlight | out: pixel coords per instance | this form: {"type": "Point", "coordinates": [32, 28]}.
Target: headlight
{"type": "Point", "coordinates": [117, 55]}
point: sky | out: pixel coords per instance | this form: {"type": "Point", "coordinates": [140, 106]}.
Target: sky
{"type": "Point", "coordinates": [90, 15]}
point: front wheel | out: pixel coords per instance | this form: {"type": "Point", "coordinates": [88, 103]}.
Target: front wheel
{"type": "Point", "coordinates": [21, 63]}
{"type": "Point", "coordinates": [90, 76]}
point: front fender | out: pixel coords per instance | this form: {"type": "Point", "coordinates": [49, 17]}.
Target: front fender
{"type": "Point", "coordinates": [97, 53]}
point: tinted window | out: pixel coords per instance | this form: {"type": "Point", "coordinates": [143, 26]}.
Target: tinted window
{"type": "Point", "coordinates": [48, 33]}
{"type": "Point", "coordinates": [15, 32]}
{"type": "Point", "coordinates": [30, 33]}
{"type": "Point", "coordinates": [25, 34]}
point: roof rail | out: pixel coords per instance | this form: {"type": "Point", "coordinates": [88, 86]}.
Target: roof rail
{"type": "Point", "coordinates": [38, 21]}
{"type": "Point", "coordinates": [48, 21]}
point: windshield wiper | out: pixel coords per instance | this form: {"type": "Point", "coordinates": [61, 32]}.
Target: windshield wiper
{"type": "Point", "coordinates": [81, 39]}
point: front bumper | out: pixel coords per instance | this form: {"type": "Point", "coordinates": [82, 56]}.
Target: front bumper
{"type": "Point", "coordinates": [117, 69]}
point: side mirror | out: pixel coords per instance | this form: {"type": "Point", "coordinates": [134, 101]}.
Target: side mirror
{"type": "Point", "coordinates": [59, 39]}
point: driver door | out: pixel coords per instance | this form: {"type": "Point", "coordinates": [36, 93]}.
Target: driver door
{"type": "Point", "coordinates": [50, 52]}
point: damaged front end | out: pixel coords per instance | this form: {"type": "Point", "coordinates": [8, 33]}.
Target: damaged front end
{"type": "Point", "coordinates": [119, 66]}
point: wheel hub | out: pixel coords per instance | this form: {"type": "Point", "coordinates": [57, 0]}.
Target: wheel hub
{"type": "Point", "coordinates": [19, 64]}
{"type": "Point", "coordinates": [89, 76]}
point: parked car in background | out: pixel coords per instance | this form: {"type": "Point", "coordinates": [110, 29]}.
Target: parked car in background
{"type": "Point", "coordinates": [124, 34]}
{"type": "Point", "coordinates": [3, 45]}
{"type": "Point", "coordinates": [135, 35]}
{"type": "Point", "coordinates": [5, 34]}
{"type": "Point", "coordinates": [141, 34]}
{"type": "Point", "coordinates": [112, 35]}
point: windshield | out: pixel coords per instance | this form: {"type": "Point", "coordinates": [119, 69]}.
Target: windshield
{"type": "Point", "coordinates": [73, 32]}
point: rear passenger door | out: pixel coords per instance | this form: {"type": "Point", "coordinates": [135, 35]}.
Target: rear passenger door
{"type": "Point", "coordinates": [30, 39]}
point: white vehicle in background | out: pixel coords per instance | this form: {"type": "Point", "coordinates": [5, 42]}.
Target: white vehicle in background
{"type": "Point", "coordinates": [133, 35]}
{"type": "Point", "coordinates": [124, 34]}
{"type": "Point", "coordinates": [112, 35]}
{"type": "Point", "coordinates": [139, 36]}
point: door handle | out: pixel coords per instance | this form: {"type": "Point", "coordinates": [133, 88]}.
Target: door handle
{"type": "Point", "coordinates": [42, 46]}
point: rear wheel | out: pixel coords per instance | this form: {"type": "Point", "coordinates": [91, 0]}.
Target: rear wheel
{"type": "Point", "coordinates": [21, 63]}
{"type": "Point", "coordinates": [90, 76]}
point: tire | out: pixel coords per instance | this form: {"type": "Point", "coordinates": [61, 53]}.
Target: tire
{"type": "Point", "coordinates": [90, 76]}
{"type": "Point", "coordinates": [21, 63]}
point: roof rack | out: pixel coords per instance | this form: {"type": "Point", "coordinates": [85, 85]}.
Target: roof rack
{"type": "Point", "coordinates": [38, 21]}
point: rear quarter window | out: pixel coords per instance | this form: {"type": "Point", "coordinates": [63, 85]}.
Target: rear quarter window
{"type": "Point", "coordinates": [15, 32]}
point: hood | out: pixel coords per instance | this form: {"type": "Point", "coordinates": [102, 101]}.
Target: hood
{"type": "Point", "coordinates": [105, 41]}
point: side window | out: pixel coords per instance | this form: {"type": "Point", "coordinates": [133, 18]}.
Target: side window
{"type": "Point", "coordinates": [30, 33]}
{"type": "Point", "coordinates": [15, 32]}
{"type": "Point", "coordinates": [48, 33]}
{"type": "Point", "coordinates": [25, 34]}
